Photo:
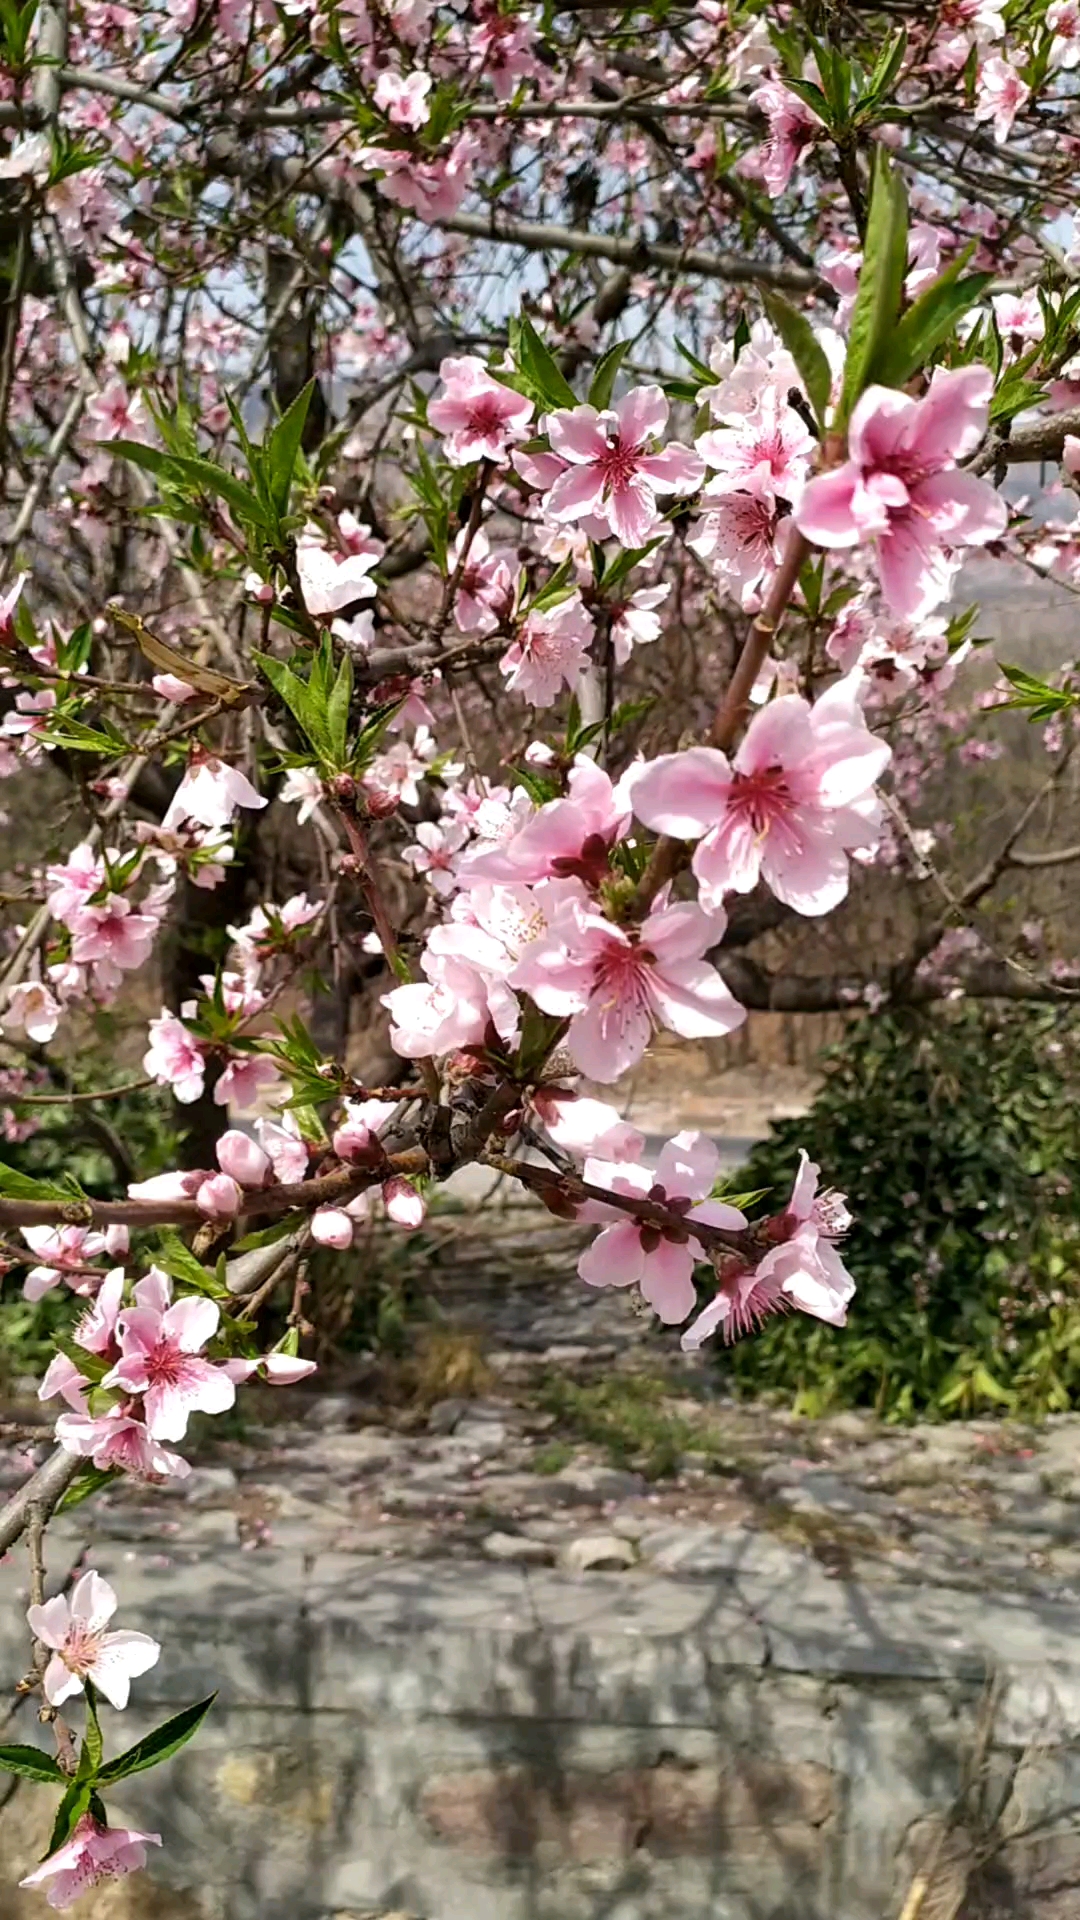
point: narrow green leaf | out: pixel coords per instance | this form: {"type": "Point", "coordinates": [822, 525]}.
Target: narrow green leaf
{"type": "Point", "coordinates": [929, 321]}
{"type": "Point", "coordinates": [881, 282]}
{"type": "Point", "coordinates": [93, 1747]}
{"type": "Point", "coordinates": [68, 1814]}
{"type": "Point", "coordinates": [337, 709]}
{"type": "Point", "coordinates": [283, 446]}
{"type": "Point", "coordinates": [192, 476]}
{"type": "Point", "coordinates": [884, 76]}
{"type": "Point", "coordinates": [704, 373]}
{"type": "Point", "coordinates": [74, 736]}
{"type": "Point", "coordinates": [86, 1484]}
{"type": "Point", "coordinates": [159, 1745]}
{"type": "Point", "coordinates": [30, 1764]}
{"type": "Point", "coordinates": [19, 1186]}
{"type": "Point", "coordinates": [805, 349]}
{"type": "Point", "coordinates": [603, 380]}
{"type": "Point", "coordinates": [550, 384]}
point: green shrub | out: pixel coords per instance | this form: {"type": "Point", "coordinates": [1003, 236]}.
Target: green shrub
{"type": "Point", "coordinates": [954, 1135]}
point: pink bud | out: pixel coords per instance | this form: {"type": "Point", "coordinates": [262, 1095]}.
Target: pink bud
{"type": "Point", "coordinates": [351, 1140]}
{"type": "Point", "coordinates": [330, 1227]}
{"type": "Point", "coordinates": [219, 1196]}
{"type": "Point", "coordinates": [117, 1241]}
{"type": "Point", "coordinates": [173, 689]}
{"type": "Point", "coordinates": [243, 1159]}
{"type": "Point", "coordinates": [282, 1369]}
{"type": "Point", "coordinates": [167, 1186]}
{"type": "Point", "coordinates": [403, 1204]}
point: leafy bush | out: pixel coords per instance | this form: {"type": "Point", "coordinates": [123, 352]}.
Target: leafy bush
{"type": "Point", "coordinates": [954, 1135]}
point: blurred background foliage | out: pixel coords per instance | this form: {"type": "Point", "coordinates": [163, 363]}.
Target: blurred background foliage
{"type": "Point", "coordinates": [955, 1137]}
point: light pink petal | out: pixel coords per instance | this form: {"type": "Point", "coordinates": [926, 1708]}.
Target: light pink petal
{"type": "Point", "coordinates": [802, 1193]}
{"type": "Point", "coordinates": [826, 513]}
{"type": "Point", "coordinates": [642, 415]}
{"type": "Point", "coordinates": [728, 860]}
{"type": "Point", "coordinates": [60, 1683]}
{"type": "Point", "coordinates": [667, 1282]}
{"type": "Point", "coordinates": [805, 866]}
{"type": "Point", "coordinates": [706, 1323]}
{"type": "Point", "coordinates": [779, 735]}
{"type": "Point", "coordinates": [681, 932]}
{"type": "Point", "coordinates": [615, 1258]}
{"type": "Point", "coordinates": [50, 1623]}
{"type": "Point", "coordinates": [576, 492]}
{"type": "Point", "coordinates": [577, 435]}
{"type": "Point", "coordinates": [93, 1601]}
{"type": "Point", "coordinates": [916, 575]}
{"type": "Point", "coordinates": [608, 1037]}
{"type": "Point", "coordinates": [962, 509]}
{"type": "Point", "coordinates": [673, 470]}
{"type": "Point", "coordinates": [951, 419]}
{"type": "Point", "coordinates": [691, 998]}
{"type": "Point", "coordinates": [631, 512]}
{"type": "Point", "coordinates": [122, 1657]}
{"type": "Point", "coordinates": [284, 1369]}
{"type": "Point", "coordinates": [717, 1213]}
{"type": "Point", "coordinates": [682, 793]}
{"type": "Point", "coordinates": [688, 1165]}
{"type": "Point", "coordinates": [879, 426]}
{"type": "Point", "coordinates": [191, 1322]}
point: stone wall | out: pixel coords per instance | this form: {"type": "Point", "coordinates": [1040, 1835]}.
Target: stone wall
{"type": "Point", "coordinates": [479, 1742]}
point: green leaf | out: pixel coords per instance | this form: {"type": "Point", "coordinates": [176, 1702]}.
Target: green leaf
{"type": "Point", "coordinates": [194, 477]}
{"type": "Point", "coordinates": [550, 386]}
{"type": "Point", "coordinates": [19, 1186]}
{"type": "Point", "coordinates": [884, 76]}
{"type": "Point", "coordinates": [159, 1745]}
{"type": "Point", "coordinates": [880, 282]}
{"type": "Point", "coordinates": [929, 320]}
{"type": "Point", "coordinates": [180, 1264]}
{"type": "Point", "coordinates": [805, 349]}
{"type": "Point", "coordinates": [68, 1814]}
{"type": "Point", "coordinates": [30, 1764]}
{"type": "Point", "coordinates": [555, 590]}
{"type": "Point", "coordinates": [705, 374]}
{"type": "Point", "coordinates": [337, 709]}
{"type": "Point", "coordinates": [813, 97]}
{"type": "Point", "coordinates": [283, 446]}
{"type": "Point", "coordinates": [298, 697]}
{"type": "Point", "coordinates": [603, 379]}
{"type": "Point", "coordinates": [92, 1750]}
{"type": "Point", "coordinates": [85, 1484]}
{"type": "Point", "coordinates": [74, 736]}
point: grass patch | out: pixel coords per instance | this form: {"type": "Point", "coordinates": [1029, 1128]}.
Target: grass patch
{"type": "Point", "coordinates": [627, 1417]}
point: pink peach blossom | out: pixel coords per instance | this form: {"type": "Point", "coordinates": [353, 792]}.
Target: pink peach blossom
{"type": "Point", "coordinates": [92, 1855]}
{"type": "Point", "coordinates": [403, 97]}
{"type": "Point", "coordinates": [797, 798]}
{"type": "Point", "coordinates": [900, 487]}
{"type": "Point", "coordinates": [793, 127]}
{"type": "Point", "coordinates": [1000, 94]}
{"type": "Point", "coordinates": [82, 1650]}
{"type": "Point", "coordinates": [635, 621]}
{"type": "Point", "coordinates": [478, 416]}
{"type": "Point", "coordinates": [175, 1057]}
{"type": "Point", "coordinates": [161, 1359]}
{"type": "Point", "coordinates": [586, 1128]}
{"type": "Point", "coordinates": [610, 471]}
{"type": "Point", "coordinates": [572, 837]}
{"type": "Point", "coordinates": [658, 1260]}
{"type": "Point", "coordinates": [210, 793]}
{"type": "Point", "coordinates": [549, 652]}
{"type": "Point", "coordinates": [802, 1270]}
{"type": "Point", "coordinates": [117, 1439]}
{"type": "Point", "coordinates": [32, 1009]}
{"type": "Point", "coordinates": [329, 581]}
{"type": "Point", "coordinates": [616, 987]}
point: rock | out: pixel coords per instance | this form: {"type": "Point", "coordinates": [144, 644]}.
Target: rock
{"type": "Point", "coordinates": [358, 1452]}
{"type": "Point", "coordinates": [519, 1549]}
{"type": "Point", "coordinates": [597, 1553]}
{"type": "Point", "coordinates": [208, 1483]}
{"type": "Point", "coordinates": [479, 1439]}
{"type": "Point", "coordinates": [445, 1415]}
{"type": "Point", "coordinates": [594, 1485]}
{"type": "Point", "coordinates": [330, 1412]}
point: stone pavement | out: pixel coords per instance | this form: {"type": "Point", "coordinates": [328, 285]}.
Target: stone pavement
{"type": "Point", "coordinates": [476, 1665]}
